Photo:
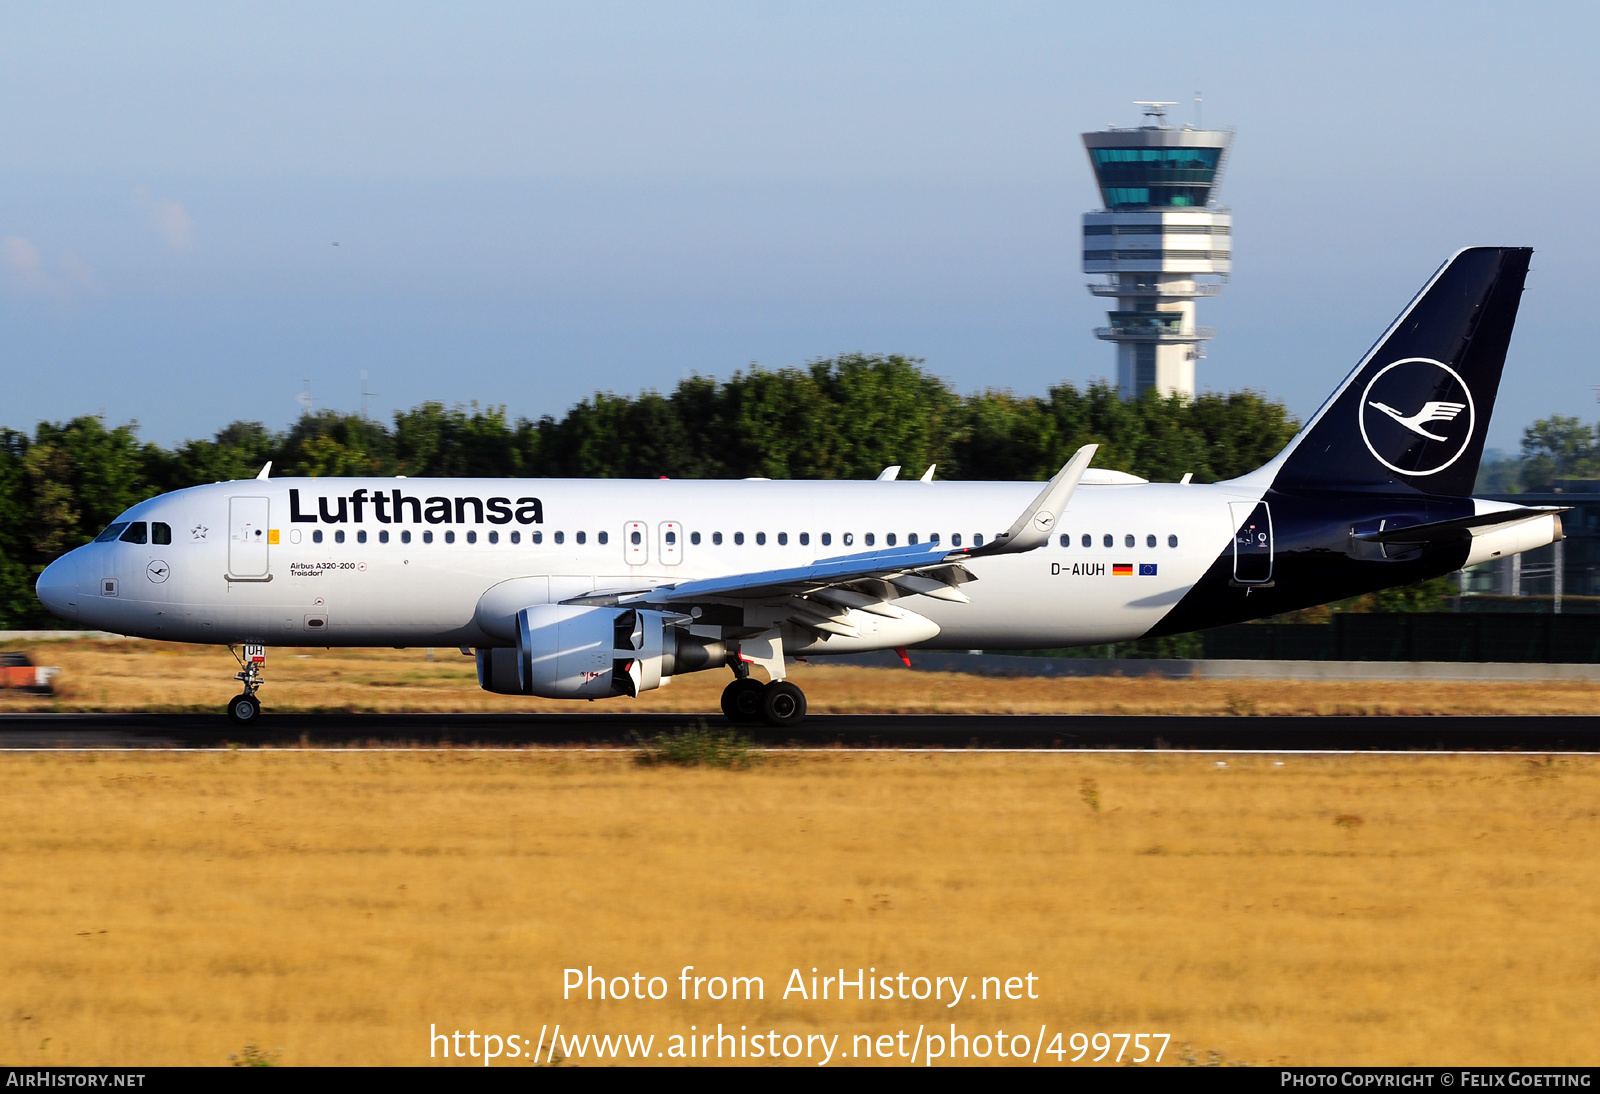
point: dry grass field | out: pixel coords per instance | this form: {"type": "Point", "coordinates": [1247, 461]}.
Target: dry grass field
{"type": "Point", "coordinates": [173, 908]}
{"type": "Point", "coordinates": [135, 676]}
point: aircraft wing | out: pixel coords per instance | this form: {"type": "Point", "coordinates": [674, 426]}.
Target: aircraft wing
{"type": "Point", "coordinates": [821, 594]}
{"type": "Point", "coordinates": [822, 574]}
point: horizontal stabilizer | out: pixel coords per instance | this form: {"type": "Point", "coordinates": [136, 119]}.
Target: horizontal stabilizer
{"type": "Point", "coordinates": [1446, 531]}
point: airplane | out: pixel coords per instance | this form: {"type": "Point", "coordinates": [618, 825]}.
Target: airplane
{"type": "Point", "coordinates": [590, 589]}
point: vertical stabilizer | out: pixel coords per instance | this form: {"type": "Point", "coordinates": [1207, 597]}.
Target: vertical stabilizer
{"type": "Point", "coordinates": [1413, 415]}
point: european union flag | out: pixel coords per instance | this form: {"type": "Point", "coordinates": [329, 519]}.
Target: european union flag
{"type": "Point", "coordinates": [1147, 569]}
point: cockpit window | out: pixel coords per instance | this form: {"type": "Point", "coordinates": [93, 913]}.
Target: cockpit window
{"type": "Point", "coordinates": [136, 533]}
{"type": "Point", "coordinates": [160, 532]}
{"type": "Point", "coordinates": [111, 533]}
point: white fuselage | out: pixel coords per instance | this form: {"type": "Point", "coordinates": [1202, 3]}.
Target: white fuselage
{"type": "Point", "coordinates": [239, 568]}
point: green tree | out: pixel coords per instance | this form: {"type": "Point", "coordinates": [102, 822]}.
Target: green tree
{"type": "Point", "coordinates": [331, 443]}
{"type": "Point", "coordinates": [1558, 448]}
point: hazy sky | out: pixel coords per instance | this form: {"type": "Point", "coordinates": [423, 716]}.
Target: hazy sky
{"type": "Point", "coordinates": [533, 202]}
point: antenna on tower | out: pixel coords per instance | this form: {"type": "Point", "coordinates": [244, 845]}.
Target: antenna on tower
{"type": "Point", "coordinates": [1156, 110]}
{"type": "Point", "coordinates": [1198, 99]}
{"type": "Point", "coordinates": [365, 394]}
{"type": "Point", "coordinates": [304, 398]}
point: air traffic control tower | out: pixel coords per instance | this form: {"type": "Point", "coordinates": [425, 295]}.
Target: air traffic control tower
{"type": "Point", "coordinates": [1161, 242]}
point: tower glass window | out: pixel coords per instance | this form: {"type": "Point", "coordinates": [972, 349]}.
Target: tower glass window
{"type": "Point", "coordinates": [1173, 178]}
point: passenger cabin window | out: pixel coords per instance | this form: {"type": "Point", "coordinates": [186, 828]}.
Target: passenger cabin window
{"type": "Point", "coordinates": [672, 538]}
{"type": "Point", "coordinates": [716, 539]}
{"type": "Point", "coordinates": [911, 539]}
{"type": "Point", "coordinates": [449, 537]}
{"type": "Point", "coordinates": [783, 539]}
{"type": "Point", "coordinates": [977, 539]}
{"type": "Point", "coordinates": [761, 539]}
{"type": "Point", "coordinates": [934, 539]}
{"type": "Point", "coordinates": [1127, 541]}
{"type": "Point", "coordinates": [160, 533]}
{"type": "Point", "coordinates": [890, 539]}
{"type": "Point", "coordinates": [1172, 541]}
{"type": "Point", "coordinates": [827, 539]}
{"type": "Point", "coordinates": [316, 535]}
{"type": "Point", "coordinates": [694, 538]}
{"type": "Point", "coordinates": [494, 537]}
{"type": "Point", "coordinates": [583, 537]}
{"type": "Point", "coordinates": [871, 539]}
{"type": "Point", "coordinates": [537, 538]}
{"type": "Point", "coordinates": [1149, 541]}
{"type": "Point", "coordinates": [561, 537]}
{"type": "Point", "coordinates": [361, 536]}
{"type": "Point", "coordinates": [805, 539]}
{"type": "Point", "coordinates": [955, 540]}
{"type": "Point", "coordinates": [338, 537]}
{"type": "Point", "coordinates": [637, 538]}
{"type": "Point", "coordinates": [516, 537]}
{"type": "Point", "coordinates": [405, 537]}
{"type": "Point", "coordinates": [738, 539]}
{"type": "Point", "coordinates": [427, 537]}
{"type": "Point", "coordinates": [111, 533]}
{"type": "Point", "coordinates": [383, 536]}
{"type": "Point", "coordinates": [1066, 541]}
{"type": "Point", "coordinates": [604, 538]}
{"type": "Point", "coordinates": [472, 537]}
{"type": "Point", "coordinates": [849, 538]}
{"type": "Point", "coordinates": [1109, 540]}
{"type": "Point", "coordinates": [136, 532]}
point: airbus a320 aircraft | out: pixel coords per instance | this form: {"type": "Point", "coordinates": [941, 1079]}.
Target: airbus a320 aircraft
{"type": "Point", "coordinates": [587, 589]}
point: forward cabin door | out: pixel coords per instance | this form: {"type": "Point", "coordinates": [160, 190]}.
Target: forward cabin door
{"type": "Point", "coordinates": [247, 537]}
{"type": "Point", "coordinates": [1252, 542]}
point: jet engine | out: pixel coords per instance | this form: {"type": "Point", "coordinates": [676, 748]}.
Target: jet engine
{"type": "Point", "coordinates": [568, 651]}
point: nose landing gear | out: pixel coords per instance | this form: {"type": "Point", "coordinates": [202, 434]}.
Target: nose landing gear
{"type": "Point", "coordinates": [245, 708]}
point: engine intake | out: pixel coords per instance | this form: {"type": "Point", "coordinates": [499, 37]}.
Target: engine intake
{"type": "Point", "coordinates": [566, 651]}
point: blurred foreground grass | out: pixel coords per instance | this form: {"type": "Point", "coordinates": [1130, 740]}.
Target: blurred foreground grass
{"type": "Point", "coordinates": [326, 908]}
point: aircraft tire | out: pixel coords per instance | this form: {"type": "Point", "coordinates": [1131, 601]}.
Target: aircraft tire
{"type": "Point", "coordinates": [243, 710]}
{"type": "Point", "coordinates": [741, 700]}
{"type": "Point", "coordinates": [782, 704]}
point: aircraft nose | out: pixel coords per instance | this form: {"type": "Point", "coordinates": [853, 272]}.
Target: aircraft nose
{"type": "Point", "coordinates": [57, 588]}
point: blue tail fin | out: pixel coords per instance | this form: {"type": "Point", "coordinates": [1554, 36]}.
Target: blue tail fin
{"type": "Point", "coordinates": [1413, 415]}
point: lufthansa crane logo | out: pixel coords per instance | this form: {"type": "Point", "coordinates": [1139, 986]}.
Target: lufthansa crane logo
{"type": "Point", "coordinates": [1417, 416]}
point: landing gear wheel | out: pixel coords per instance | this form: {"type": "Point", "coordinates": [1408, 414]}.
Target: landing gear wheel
{"type": "Point", "coordinates": [741, 700]}
{"type": "Point", "coordinates": [782, 704]}
{"type": "Point", "coordinates": [243, 710]}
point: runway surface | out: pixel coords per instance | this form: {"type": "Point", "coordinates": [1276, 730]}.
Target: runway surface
{"type": "Point", "coordinates": [1292, 734]}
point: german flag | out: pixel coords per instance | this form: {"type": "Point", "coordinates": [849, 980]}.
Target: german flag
{"type": "Point", "coordinates": [1122, 569]}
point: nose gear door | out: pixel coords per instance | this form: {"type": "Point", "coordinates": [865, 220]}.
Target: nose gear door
{"type": "Point", "coordinates": [1252, 543]}
{"type": "Point", "coordinates": [247, 538]}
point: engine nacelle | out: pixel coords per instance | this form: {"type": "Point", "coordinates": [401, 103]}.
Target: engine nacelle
{"type": "Point", "coordinates": [568, 651]}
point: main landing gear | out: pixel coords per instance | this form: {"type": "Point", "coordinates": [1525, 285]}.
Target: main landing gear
{"type": "Point", "coordinates": [245, 708]}
{"type": "Point", "coordinates": [778, 703]}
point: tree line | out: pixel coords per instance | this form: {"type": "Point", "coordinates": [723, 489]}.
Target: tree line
{"type": "Point", "coordinates": [1553, 449]}
{"type": "Point", "coordinates": [844, 418]}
